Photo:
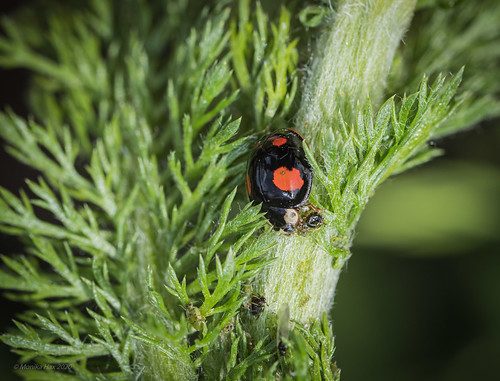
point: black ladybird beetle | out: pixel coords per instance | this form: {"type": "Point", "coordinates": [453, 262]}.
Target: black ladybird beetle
{"type": "Point", "coordinates": [280, 177]}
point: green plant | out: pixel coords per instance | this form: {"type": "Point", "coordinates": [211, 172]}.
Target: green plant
{"type": "Point", "coordinates": [143, 115]}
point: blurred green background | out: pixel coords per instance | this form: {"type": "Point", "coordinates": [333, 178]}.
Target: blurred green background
{"type": "Point", "coordinates": [420, 297]}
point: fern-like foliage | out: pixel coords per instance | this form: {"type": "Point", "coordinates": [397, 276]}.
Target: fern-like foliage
{"type": "Point", "coordinates": [140, 188]}
{"type": "Point", "coordinates": [143, 257]}
{"type": "Point", "coordinates": [356, 159]}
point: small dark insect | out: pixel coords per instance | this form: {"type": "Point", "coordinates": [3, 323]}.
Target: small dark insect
{"type": "Point", "coordinates": [314, 220]}
{"type": "Point", "coordinates": [282, 348]}
{"type": "Point", "coordinates": [229, 326]}
{"type": "Point", "coordinates": [257, 305]}
{"type": "Point", "coordinates": [311, 220]}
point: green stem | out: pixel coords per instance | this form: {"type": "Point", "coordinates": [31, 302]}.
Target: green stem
{"type": "Point", "coordinates": [303, 277]}
{"type": "Point", "coordinates": [353, 59]}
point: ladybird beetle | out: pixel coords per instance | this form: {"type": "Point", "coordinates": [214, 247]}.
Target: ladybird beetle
{"type": "Point", "coordinates": [280, 177]}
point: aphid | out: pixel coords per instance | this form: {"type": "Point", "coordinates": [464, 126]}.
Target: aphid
{"type": "Point", "coordinates": [282, 348]}
{"type": "Point", "coordinates": [228, 327]}
{"type": "Point", "coordinates": [194, 316]}
{"type": "Point", "coordinates": [311, 219]}
{"type": "Point", "coordinates": [257, 305]}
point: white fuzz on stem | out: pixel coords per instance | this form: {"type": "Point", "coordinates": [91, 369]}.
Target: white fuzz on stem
{"type": "Point", "coordinates": [352, 61]}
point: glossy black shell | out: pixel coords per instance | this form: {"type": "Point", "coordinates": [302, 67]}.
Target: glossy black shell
{"type": "Point", "coordinates": [265, 160]}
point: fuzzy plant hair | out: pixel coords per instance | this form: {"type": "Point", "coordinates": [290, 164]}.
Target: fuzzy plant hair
{"type": "Point", "coordinates": [143, 257]}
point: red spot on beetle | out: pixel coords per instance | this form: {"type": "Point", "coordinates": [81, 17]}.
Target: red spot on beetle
{"type": "Point", "coordinates": [279, 141]}
{"type": "Point", "coordinates": [287, 180]}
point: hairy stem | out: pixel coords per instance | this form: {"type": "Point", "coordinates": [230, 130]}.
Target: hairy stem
{"type": "Point", "coordinates": [353, 58]}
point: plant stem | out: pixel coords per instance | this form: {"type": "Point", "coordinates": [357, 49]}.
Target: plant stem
{"type": "Point", "coordinates": [353, 58]}
{"type": "Point", "coordinates": [303, 277]}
